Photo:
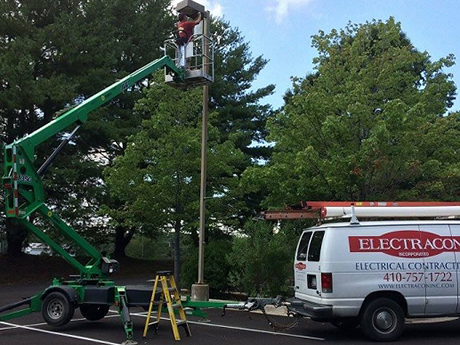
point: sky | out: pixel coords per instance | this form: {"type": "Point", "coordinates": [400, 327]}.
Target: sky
{"type": "Point", "coordinates": [281, 30]}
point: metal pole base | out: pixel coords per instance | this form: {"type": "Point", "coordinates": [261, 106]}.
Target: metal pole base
{"type": "Point", "coordinates": [200, 292]}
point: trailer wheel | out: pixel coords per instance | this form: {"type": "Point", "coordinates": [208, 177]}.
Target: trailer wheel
{"type": "Point", "coordinates": [94, 312]}
{"type": "Point", "coordinates": [57, 309]}
{"type": "Point", "coordinates": [382, 320]}
{"type": "Point", "coordinates": [347, 324]}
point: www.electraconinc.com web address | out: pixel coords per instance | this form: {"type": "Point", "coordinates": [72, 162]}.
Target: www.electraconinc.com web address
{"type": "Point", "coordinates": [417, 286]}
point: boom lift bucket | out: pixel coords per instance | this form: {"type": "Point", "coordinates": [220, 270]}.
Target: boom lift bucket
{"type": "Point", "coordinates": [196, 57]}
{"type": "Point", "coordinates": [199, 53]}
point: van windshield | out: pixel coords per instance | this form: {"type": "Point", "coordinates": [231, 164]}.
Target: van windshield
{"type": "Point", "coordinates": [303, 246]}
{"type": "Point", "coordinates": [315, 246]}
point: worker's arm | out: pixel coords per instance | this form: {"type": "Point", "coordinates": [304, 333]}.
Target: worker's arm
{"type": "Point", "coordinates": [198, 18]}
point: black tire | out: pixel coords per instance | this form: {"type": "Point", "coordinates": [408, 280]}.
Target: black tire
{"type": "Point", "coordinates": [57, 309]}
{"type": "Point", "coordinates": [94, 312]}
{"type": "Point", "coordinates": [382, 320]}
{"type": "Point", "coordinates": [347, 324]}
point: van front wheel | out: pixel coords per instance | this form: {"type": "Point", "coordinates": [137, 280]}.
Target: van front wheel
{"type": "Point", "coordinates": [382, 320]}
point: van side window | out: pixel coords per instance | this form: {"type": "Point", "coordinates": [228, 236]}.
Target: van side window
{"type": "Point", "coordinates": [315, 246]}
{"type": "Point", "coordinates": [303, 246]}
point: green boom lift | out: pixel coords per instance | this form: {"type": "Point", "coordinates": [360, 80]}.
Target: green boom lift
{"type": "Point", "coordinates": [91, 290]}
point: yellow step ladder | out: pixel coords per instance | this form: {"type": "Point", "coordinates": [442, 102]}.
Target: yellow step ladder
{"type": "Point", "coordinates": [171, 297]}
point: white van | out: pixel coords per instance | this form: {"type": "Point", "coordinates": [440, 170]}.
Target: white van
{"type": "Point", "coordinates": [375, 274]}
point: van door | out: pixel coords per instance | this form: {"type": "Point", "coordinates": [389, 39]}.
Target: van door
{"type": "Point", "coordinates": [455, 231]}
{"type": "Point", "coordinates": [300, 272]}
{"type": "Point", "coordinates": [440, 269]}
{"type": "Point", "coordinates": [307, 269]}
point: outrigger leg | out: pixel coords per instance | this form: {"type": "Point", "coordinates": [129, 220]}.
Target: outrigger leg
{"type": "Point", "coordinates": [123, 310]}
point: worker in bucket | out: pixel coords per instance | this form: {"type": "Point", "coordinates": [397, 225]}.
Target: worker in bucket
{"type": "Point", "coordinates": [185, 31]}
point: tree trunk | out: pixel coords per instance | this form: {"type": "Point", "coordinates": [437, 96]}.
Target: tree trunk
{"type": "Point", "coordinates": [122, 239]}
{"type": "Point", "coordinates": [195, 237]}
{"type": "Point", "coordinates": [177, 263]}
{"type": "Point", "coordinates": [15, 236]}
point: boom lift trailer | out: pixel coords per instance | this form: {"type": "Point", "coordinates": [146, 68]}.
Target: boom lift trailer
{"type": "Point", "coordinates": [91, 290]}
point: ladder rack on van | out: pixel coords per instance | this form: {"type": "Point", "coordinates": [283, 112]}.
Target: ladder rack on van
{"type": "Point", "coordinates": [380, 209]}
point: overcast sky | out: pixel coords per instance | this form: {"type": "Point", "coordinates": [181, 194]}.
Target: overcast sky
{"type": "Point", "coordinates": [281, 30]}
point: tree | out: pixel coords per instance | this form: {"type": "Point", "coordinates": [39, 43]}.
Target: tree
{"type": "Point", "coordinates": [238, 119]}
{"type": "Point", "coordinates": [53, 54]}
{"type": "Point", "coordinates": [241, 115]}
{"type": "Point", "coordinates": [362, 127]}
{"type": "Point", "coordinates": [262, 261]}
{"type": "Point", "coordinates": [30, 92]}
{"type": "Point", "coordinates": [158, 178]}
{"type": "Point", "coordinates": [136, 31]}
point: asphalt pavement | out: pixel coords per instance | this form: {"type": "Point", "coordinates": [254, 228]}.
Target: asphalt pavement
{"type": "Point", "coordinates": [236, 327]}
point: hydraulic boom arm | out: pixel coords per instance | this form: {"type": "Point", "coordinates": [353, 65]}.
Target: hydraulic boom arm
{"type": "Point", "coordinates": [22, 181]}
{"type": "Point", "coordinates": [79, 114]}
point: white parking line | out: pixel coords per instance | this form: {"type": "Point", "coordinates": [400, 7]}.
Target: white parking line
{"type": "Point", "coordinates": [242, 329]}
{"type": "Point", "coordinates": [15, 326]}
{"type": "Point", "coordinates": [30, 328]}
{"type": "Point", "coordinates": [144, 315]}
{"type": "Point", "coordinates": [58, 333]}
{"type": "Point", "coordinates": [44, 323]}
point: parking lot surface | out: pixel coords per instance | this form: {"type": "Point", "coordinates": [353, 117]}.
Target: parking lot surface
{"type": "Point", "coordinates": [235, 327]}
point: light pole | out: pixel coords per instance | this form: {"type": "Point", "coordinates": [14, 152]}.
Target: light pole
{"type": "Point", "coordinates": [200, 290]}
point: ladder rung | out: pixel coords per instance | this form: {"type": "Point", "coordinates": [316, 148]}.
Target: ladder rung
{"type": "Point", "coordinates": [164, 273]}
{"type": "Point", "coordinates": [169, 296]}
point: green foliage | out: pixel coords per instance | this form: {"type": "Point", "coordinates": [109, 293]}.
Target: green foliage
{"type": "Point", "coordinates": [168, 147]}
{"type": "Point", "coordinates": [363, 127]}
{"type": "Point", "coordinates": [216, 266]}
{"type": "Point", "coordinates": [262, 262]}
{"type": "Point", "coordinates": [146, 247]}
{"type": "Point", "coordinates": [53, 54]}
{"type": "Point", "coordinates": [159, 175]}
{"type": "Point", "coordinates": [239, 115]}
{"type": "Point", "coordinates": [158, 178]}
{"type": "Point", "coordinates": [259, 263]}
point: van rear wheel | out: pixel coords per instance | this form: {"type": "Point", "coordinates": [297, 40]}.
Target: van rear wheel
{"type": "Point", "coordinates": [382, 320]}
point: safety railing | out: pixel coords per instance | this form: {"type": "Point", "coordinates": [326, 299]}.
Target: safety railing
{"type": "Point", "coordinates": [196, 58]}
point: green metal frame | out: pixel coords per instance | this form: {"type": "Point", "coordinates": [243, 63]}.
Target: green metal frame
{"type": "Point", "coordinates": [24, 193]}
{"type": "Point", "coordinates": [23, 186]}
{"type": "Point", "coordinates": [24, 196]}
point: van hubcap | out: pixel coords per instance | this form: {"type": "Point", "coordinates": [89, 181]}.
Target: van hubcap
{"type": "Point", "coordinates": [384, 320]}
